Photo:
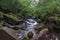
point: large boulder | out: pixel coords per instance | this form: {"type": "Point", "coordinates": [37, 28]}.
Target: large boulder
{"type": "Point", "coordinates": [7, 34]}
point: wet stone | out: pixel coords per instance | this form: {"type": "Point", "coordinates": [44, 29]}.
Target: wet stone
{"type": "Point", "coordinates": [7, 34]}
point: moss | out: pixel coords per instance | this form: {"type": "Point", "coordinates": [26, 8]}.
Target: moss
{"type": "Point", "coordinates": [1, 15]}
{"type": "Point", "coordinates": [11, 19]}
{"type": "Point", "coordinates": [30, 35]}
{"type": "Point", "coordinates": [55, 20]}
{"type": "Point", "coordinates": [1, 25]}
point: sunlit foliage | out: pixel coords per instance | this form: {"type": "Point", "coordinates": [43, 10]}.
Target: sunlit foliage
{"type": "Point", "coordinates": [38, 9]}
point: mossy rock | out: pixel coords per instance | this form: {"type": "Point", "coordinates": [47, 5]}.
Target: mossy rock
{"type": "Point", "coordinates": [40, 27]}
{"type": "Point", "coordinates": [1, 15]}
{"type": "Point", "coordinates": [11, 19]}
{"type": "Point", "coordinates": [26, 38]}
{"type": "Point", "coordinates": [30, 35]}
{"type": "Point", "coordinates": [1, 25]}
{"type": "Point", "coordinates": [55, 20]}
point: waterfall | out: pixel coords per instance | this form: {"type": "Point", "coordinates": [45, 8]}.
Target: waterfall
{"type": "Point", "coordinates": [29, 25]}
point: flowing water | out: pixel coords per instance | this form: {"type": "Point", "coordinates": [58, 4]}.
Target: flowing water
{"type": "Point", "coordinates": [29, 25]}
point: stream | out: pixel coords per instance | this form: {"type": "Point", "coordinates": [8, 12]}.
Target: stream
{"type": "Point", "coordinates": [29, 25]}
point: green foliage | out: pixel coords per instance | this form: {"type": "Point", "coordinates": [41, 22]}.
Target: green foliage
{"type": "Point", "coordinates": [7, 4]}
{"type": "Point", "coordinates": [26, 8]}
{"type": "Point", "coordinates": [41, 10]}
{"type": "Point", "coordinates": [46, 8]}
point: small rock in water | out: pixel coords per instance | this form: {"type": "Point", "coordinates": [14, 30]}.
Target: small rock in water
{"type": "Point", "coordinates": [30, 35]}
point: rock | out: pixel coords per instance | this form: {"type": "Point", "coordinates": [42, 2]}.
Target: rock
{"type": "Point", "coordinates": [11, 19]}
{"type": "Point", "coordinates": [42, 33]}
{"type": "Point", "coordinates": [7, 34]}
{"type": "Point", "coordinates": [26, 38]}
{"type": "Point", "coordinates": [40, 27]}
{"type": "Point", "coordinates": [30, 35]}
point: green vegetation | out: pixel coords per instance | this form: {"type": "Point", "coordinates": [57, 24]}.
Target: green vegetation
{"type": "Point", "coordinates": [27, 8]}
{"type": "Point", "coordinates": [14, 10]}
{"type": "Point", "coordinates": [45, 11]}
